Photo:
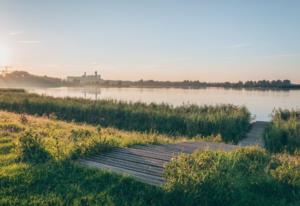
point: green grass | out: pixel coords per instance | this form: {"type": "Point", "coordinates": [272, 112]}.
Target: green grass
{"type": "Point", "coordinates": [283, 134]}
{"type": "Point", "coordinates": [245, 177]}
{"type": "Point", "coordinates": [248, 176]}
{"type": "Point", "coordinates": [60, 181]}
{"type": "Point", "coordinates": [230, 121]}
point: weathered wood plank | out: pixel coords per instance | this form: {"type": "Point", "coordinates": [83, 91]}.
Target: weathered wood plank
{"type": "Point", "coordinates": [129, 165]}
{"type": "Point", "coordinates": [144, 154]}
{"type": "Point", "coordinates": [137, 159]}
{"type": "Point", "coordinates": [149, 179]}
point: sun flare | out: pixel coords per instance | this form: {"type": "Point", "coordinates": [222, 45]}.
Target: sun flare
{"type": "Point", "coordinates": [4, 56]}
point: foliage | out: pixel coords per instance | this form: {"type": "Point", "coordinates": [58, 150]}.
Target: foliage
{"type": "Point", "coordinates": [231, 122]}
{"type": "Point", "coordinates": [61, 181]}
{"type": "Point", "coordinates": [246, 177]}
{"type": "Point", "coordinates": [249, 176]}
{"type": "Point", "coordinates": [70, 140]}
{"type": "Point", "coordinates": [30, 148]}
{"type": "Point", "coordinates": [284, 131]}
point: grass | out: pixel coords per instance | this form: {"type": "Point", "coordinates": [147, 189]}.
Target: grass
{"type": "Point", "coordinates": [248, 176]}
{"type": "Point", "coordinates": [283, 134]}
{"type": "Point", "coordinates": [244, 177]}
{"type": "Point", "coordinates": [231, 122]}
{"type": "Point", "coordinates": [64, 140]}
{"type": "Point", "coordinates": [59, 181]}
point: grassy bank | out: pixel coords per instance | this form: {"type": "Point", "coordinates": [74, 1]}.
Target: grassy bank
{"type": "Point", "coordinates": [283, 134]}
{"type": "Point", "coordinates": [231, 122]}
{"type": "Point", "coordinates": [63, 140]}
{"type": "Point", "coordinates": [36, 168]}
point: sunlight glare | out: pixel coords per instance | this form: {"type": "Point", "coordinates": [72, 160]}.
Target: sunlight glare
{"type": "Point", "coordinates": [4, 56]}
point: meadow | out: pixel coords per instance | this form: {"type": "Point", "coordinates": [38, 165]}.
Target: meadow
{"type": "Point", "coordinates": [229, 121]}
{"type": "Point", "coordinates": [38, 167]}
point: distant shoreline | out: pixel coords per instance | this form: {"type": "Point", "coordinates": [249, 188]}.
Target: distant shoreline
{"type": "Point", "coordinates": [195, 88]}
{"type": "Point", "coordinates": [21, 79]}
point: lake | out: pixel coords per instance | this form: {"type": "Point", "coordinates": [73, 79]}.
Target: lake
{"type": "Point", "coordinates": [260, 103]}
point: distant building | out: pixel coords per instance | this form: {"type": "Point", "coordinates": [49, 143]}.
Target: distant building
{"type": "Point", "coordinates": [85, 79]}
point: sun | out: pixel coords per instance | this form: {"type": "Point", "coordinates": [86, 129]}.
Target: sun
{"type": "Point", "coordinates": [4, 56]}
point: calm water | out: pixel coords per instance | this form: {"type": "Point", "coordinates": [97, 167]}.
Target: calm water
{"type": "Point", "coordinates": [260, 103]}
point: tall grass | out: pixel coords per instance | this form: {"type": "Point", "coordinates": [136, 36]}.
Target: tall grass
{"type": "Point", "coordinates": [34, 179]}
{"type": "Point", "coordinates": [40, 136]}
{"type": "Point", "coordinates": [230, 121]}
{"type": "Point", "coordinates": [284, 131]}
{"type": "Point", "coordinates": [243, 177]}
{"type": "Point", "coordinates": [248, 176]}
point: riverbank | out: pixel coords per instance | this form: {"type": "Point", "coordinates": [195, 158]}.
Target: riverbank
{"type": "Point", "coordinates": [229, 121]}
{"type": "Point", "coordinates": [43, 172]}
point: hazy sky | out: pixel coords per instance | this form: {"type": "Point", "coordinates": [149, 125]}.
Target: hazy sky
{"type": "Point", "coordinates": [163, 40]}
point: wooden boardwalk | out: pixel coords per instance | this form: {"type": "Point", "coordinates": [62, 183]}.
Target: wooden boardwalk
{"type": "Point", "coordinates": [255, 136]}
{"type": "Point", "coordinates": [146, 162]}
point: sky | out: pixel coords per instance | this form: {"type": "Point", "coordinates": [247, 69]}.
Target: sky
{"type": "Point", "coordinates": [223, 40]}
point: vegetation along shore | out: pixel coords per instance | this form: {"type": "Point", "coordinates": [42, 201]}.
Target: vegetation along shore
{"type": "Point", "coordinates": [229, 121]}
{"type": "Point", "coordinates": [38, 167]}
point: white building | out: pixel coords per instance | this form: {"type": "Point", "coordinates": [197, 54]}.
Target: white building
{"type": "Point", "coordinates": [85, 79]}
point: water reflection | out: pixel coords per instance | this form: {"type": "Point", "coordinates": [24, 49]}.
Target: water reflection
{"type": "Point", "coordinates": [259, 102]}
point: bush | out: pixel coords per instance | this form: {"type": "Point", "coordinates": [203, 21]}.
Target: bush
{"type": "Point", "coordinates": [30, 149]}
{"type": "Point", "coordinates": [92, 147]}
{"type": "Point", "coordinates": [283, 132]}
{"type": "Point", "coordinates": [249, 176]}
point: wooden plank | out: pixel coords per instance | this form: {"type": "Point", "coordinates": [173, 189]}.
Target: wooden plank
{"type": "Point", "coordinates": [143, 154]}
{"type": "Point", "coordinates": [137, 159]}
{"type": "Point", "coordinates": [129, 165]}
{"type": "Point", "coordinates": [138, 151]}
{"type": "Point", "coordinates": [158, 149]}
{"type": "Point", "coordinates": [149, 179]}
{"type": "Point", "coordinates": [134, 156]}
{"type": "Point", "coordinates": [126, 163]}
{"type": "Point", "coordinates": [128, 169]}
{"type": "Point", "coordinates": [150, 159]}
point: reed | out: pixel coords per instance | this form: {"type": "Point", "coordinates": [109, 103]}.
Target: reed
{"type": "Point", "coordinates": [283, 134]}
{"type": "Point", "coordinates": [230, 121]}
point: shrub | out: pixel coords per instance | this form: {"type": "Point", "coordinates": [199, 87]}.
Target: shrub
{"type": "Point", "coordinates": [30, 149]}
{"type": "Point", "coordinates": [249, 176]}
{"type": "Point", "coordinates": [93, 146]}
{"type": "Point", "coordinates": [283, 132]}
